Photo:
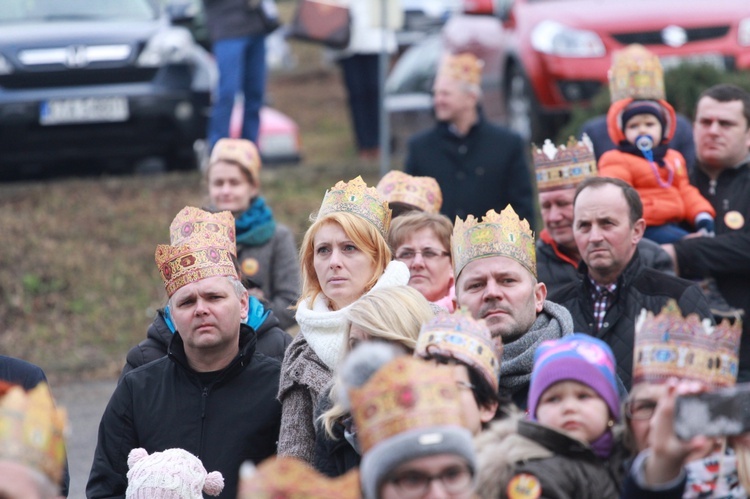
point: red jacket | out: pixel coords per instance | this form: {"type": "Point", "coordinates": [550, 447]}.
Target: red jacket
{"type": "Point", "coordinates": [661, 205]}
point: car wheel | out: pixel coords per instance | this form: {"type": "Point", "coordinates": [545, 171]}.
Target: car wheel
{"type": "Point", "coordinates": [522, 114]}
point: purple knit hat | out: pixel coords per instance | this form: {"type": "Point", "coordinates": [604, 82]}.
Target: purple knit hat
{"type": "Point", "coordinates": [576, 357]}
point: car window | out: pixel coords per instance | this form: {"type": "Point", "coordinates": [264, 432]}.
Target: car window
{"type": "Point", "coordinates": [415, 70]}
{"type": "Point", "coordinates": [20, 11]}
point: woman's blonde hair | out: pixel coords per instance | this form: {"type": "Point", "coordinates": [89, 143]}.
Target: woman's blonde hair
{"type": "Point", "coordinates": [406, 225]}
{"type": "Point", "coordinates": [395, 315]}
{"type": "Point", "coordinates": [362, 233]}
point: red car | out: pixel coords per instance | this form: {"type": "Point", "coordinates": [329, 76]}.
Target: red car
{"type": "Point", "coordinates": [544, 56]}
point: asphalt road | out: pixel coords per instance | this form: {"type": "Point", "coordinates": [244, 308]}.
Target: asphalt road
{"type": "Point", "coordinates": [85, 402]}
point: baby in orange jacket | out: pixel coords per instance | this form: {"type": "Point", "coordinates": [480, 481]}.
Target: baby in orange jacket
{"type": "Point", "coordinates": [642, 130]}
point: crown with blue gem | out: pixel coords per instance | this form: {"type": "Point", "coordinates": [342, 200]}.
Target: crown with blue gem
{"type": "Point", "coordinates": [563, 167]}
{"type": "Point", "coordinates": [670, 345]}
{"type": "Point", "coordinates": [357, 198]}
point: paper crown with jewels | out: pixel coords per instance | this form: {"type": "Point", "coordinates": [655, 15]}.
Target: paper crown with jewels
{"type": "Point", "coordinates": [464, 68]}
{"type": "Point", "coordinates": [635, 73]}
{"type": "Point", "coordinates": [207, 247]}
{"type": "Point", "coordinates": [195, 226]}
{"type": "Point", "coordinates": [291, 478]}
{"type": "Point", "coordinates": [563, 167]}
{"type": "Point", "coordinates": [357, 198]}
{"type": "Point", "coordinates": [32, 430]}
{"type": "Point", "coordinates": [670, 345]}
{"type": "Point", "coordinates": [404, 395]}
{"type": "Point", "coordinates": [498, 234]}
{"type": "Point", "coordinates": [463, 338]}
{"type": "Point", "coordinates": [421, 192]}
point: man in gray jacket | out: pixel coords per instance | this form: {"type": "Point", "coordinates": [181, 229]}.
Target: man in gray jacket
{"type": "Point", "coordinates": [495, 267]}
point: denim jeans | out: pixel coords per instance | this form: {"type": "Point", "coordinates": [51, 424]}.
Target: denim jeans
{"type": "Point", "coordinates": [242, 69]}
{"type": "Point", "coordinates": [361, 80]}
{"type": "Point", "coordinates": [665, 234]}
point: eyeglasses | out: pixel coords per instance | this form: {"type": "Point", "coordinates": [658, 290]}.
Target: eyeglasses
{"type": "Point", "coordinates": [427, 254]}
{"type": "Point", "coordinates": [413, 483]}
{"type": "Point", "coordinates": [465, 384]}
{"type": "Point", "coordinates": [640, 409]}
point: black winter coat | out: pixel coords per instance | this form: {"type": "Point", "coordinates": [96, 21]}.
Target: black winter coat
{"type": "Point", "coordinates": [333, 456]}
{"type": "Point", "coordinates": [165, 404]}
{"type": "Point", "coordinates": [486, 169]}
{"type": "Point", "coordinates": [574, 471]}
{"type": "Point", "coordinates": [638, 287]}
{"type": "Point", "coordinates": [271, 341]}
{"type": "Point", "coordinates": [725, 257]}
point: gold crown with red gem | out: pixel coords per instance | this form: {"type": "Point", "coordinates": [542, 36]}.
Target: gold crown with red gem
{"type": "Point", "coordinates": [291, 478]}
{"type": "Point", "coordinates": [421, 192]}
{"type": "Point", "coordinates": [463, 338]}
{"type": "Point", "coordinates": [563, 167]}
{"type": "Point", "coordinates": [635, 73]}
{"type": "Point", "coordinates": [357, 198]}
{"type": "Point", "coordinates": [405, 394]}
{"type": "Point", "coordinates": [32, 430]}
{"type": "Point", "coordinates": [498, 234]}
{"type": "Point", "coordinates": [207, 247]}
{"type": "Point", "coordinates": [670, 345]}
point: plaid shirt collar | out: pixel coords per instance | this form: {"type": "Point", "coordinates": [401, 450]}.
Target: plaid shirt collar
{"type": "Point", "coordinates": [602, 296]}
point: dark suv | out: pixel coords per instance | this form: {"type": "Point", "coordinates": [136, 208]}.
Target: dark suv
{"type": "Point", "coordinates": [99, 79]}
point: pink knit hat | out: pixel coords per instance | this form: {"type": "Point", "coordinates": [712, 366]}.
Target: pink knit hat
{"type": "Point", "coordinates": [172, 474]}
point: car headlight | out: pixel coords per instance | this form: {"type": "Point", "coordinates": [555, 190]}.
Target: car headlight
{"type": "Point", "coordinates": [171, 46]}
{"type": "Point", "coordinates": [551, 37]}
{"type": "Point", "coordinates": [743, 33]}
{"type": "Point", "coordinates": [5, 66]}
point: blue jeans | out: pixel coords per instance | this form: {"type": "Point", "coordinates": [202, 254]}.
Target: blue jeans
{"type": "Point", "coordinates": [242, 69]}
{"type": "Point", "coordinates": [665, 234]}
{"type": "Point", "coordinates": [361, 80]}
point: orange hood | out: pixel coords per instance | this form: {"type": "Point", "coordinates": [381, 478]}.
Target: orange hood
{"type": "Point", "coordinates": [614, 118]}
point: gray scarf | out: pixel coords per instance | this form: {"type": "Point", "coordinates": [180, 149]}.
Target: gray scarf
{"type": "Point", "coordinates": [518, 356]}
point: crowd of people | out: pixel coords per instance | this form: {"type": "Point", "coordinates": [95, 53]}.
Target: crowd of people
{"type": "Point", "coordinates": [439, 347]}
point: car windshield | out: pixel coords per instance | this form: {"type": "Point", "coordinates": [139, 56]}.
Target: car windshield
{"type": "Point", "coordinates": [23, 11]}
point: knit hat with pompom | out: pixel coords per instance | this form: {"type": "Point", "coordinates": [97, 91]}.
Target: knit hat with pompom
{"type": "Point", "coordinates": [171, 474]}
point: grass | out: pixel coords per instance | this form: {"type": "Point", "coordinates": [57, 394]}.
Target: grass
{"type": "Point", "coordinates": [78, 283]}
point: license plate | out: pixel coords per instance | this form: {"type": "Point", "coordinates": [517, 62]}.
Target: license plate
{"type": "Point", "coordinates": [672, 61]}
{"type": "Point", "coordinates": [85, 110]}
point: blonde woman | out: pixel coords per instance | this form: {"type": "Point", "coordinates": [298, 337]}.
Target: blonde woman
{"type": "Point", "coordinates": [344, 255]}
{"type": "Point", "coordinates": [393, 315]}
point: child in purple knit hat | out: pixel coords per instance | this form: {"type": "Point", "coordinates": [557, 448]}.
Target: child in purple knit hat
{"type": "Point", "coordinates": [565, 446]}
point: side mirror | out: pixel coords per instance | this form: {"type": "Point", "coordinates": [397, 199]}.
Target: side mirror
{"type": "Point", "coordinates": [180, 11]}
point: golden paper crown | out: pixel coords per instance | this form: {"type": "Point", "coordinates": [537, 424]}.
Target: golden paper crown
{"type": "Point", "coordinates": [503, 234]}
{"type": "Point", "coordinates": [421, 192]}
{"type": "Point", "coordinates": [464, 68]}
{"type": "Point", "coordinates": [240, 151]}
{"type": "Point", "coordinates": [564, 167]}
{"type": "Point", "coordinates": [405, 394]}
{"type": "Point", "coordinates": [291, 478]}
{"type": "Point", "coordinates": [460, 336]}
{"type": "Point", "coordinates": [669, 344]}
{"type": "Point", "coordinates": [206, 251]}
{"type": "Point", "coordinates": [357, 198]}
{"type": "Point", "coordinates": [32, 430]}
{"type": "Point", "coordinates": [635, 73]}
{"type": "Point", "coordinates": [202, 228]}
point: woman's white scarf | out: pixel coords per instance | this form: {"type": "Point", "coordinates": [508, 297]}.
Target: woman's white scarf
{"type": "Point", "coordinates": [325, 329]}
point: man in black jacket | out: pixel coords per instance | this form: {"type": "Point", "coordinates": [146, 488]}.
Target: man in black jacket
{"type": "Point", "coordinates": [616, 285]}
{"type": "Point", "coordinates": [212, 395]}
{"type": "Point", "coordinates": [558, 172]}
{"type": "Point", "coordinates": [722, 138]}
{"type": "Point", "coordinates": [478, 165]}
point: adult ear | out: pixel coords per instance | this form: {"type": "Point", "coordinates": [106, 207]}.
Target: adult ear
{"type": "Point", "coordinates": [540, 294]}
{"type": "Point", "coordinates": [639, 227]}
